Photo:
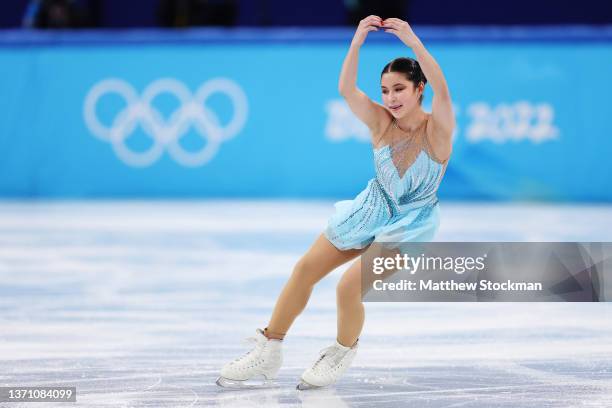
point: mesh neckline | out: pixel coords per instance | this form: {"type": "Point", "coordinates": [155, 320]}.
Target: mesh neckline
{"type": "Point", "coordinates": [406, 147]}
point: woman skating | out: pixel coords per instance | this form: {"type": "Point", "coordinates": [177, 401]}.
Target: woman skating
{"type": "Point", "coordinates": [411, 151]}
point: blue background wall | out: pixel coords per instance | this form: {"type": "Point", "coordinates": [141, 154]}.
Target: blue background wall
{"type": "Point", "coordinates": [532, 111]}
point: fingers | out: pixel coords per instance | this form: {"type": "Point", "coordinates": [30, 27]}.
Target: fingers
{"type": "Point", "coordinates": [371, 21]}
{"type": "Point", "coordinates": [389, 25]}
{"type": "Point", "coordinates": [396, 23]}
{"type": "Point", "coordinates": [393, 24]}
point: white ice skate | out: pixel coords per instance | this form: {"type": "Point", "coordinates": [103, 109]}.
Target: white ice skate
{"type": "Point", "coordinates": [333, 361]}
{"type": "Point", "coordinates": [257, 368]}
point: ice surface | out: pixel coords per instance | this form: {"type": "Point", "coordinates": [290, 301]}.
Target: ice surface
{"type": "Point", "coordinates": [140, 303]}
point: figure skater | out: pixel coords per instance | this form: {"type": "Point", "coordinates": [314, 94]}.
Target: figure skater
{"type": "Point", "coordinates": [411, 152]}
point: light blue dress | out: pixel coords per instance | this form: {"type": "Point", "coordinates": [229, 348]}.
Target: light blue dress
{"type": "Point", "coordinates": [392, 208]}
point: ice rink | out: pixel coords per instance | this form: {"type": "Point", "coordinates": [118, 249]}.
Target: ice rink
{"type": "Point", "coordinates": [140, 304]}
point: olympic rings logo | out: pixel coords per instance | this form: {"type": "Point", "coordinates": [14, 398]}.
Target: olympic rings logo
{"type": "Point", "coordinates": [166, 133]}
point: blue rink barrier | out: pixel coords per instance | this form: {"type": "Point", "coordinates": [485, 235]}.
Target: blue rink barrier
{"type": "Point", "coordinates": [256, 113]}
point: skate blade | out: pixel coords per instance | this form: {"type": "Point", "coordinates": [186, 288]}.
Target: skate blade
{"type": "Point", "coordinates": [245, 384]}
{"type": "Point", "coordinates": [303, 386]}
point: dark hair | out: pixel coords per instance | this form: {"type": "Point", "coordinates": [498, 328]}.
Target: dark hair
{"type": "Point", "coordinates": [410, 68]}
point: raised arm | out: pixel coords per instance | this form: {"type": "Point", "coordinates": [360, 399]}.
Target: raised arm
{"type": "Point", "coordinates": [442, 107]}
{"type": "Point", "coordinates": [368, 111]}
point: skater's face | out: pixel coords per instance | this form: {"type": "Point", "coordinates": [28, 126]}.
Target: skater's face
{"type": "Point", "coordinates": [399, 94]}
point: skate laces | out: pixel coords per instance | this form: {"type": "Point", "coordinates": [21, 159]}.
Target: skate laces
{"type": "Point", "coordinates": [327, 354]}
{"type": "Point", "coordinates": [248, 340]}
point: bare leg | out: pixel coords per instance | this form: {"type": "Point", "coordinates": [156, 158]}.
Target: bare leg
{"type": "Point", "coordinates": [319, 260]}
{"type": "Point", "coordinates": [349, 294]}
{"type": "Point", "coordinates": [351, 313]}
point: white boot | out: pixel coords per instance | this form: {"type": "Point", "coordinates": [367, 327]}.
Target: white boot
{"type": "Point", "coordinates": [255, 368]}
{"type": "Point", "coordinates": [331, 364]}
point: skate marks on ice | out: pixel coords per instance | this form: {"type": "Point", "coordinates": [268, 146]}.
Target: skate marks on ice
{"type": "Point", "coordinates": [452, 355]}
{"type": "Point", "coordinates": [113, 382]}
{"type": "Point", "coordinates": [551, 384]}
{"type": "Point", "coordinates": [140, 304]}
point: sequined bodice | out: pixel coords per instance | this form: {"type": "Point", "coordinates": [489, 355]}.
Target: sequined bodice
{"type": "Point", "coordinates": [406, 171]}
